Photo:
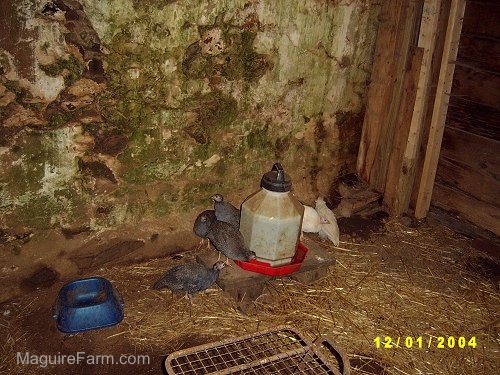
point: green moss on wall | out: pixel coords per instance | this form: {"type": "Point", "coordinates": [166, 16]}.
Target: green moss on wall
{"type": "Point", "coordinates": [71, 69]}
{"type": "Point", "coordinates": [238, 61]}
{"type": "Point", "coordinates": [198, 193]}
{"type": "Point", "coordinates": [41, 186]}
{"type": "Point", "coordinates": [26, 174]}
{"type": "Point", "coordinates": [39, 211]}
{"type": "Point", "coordinates": [62, 117]}
{"type": "Point", "coordinates": [209, 112]}
{"type": "Point", "coordinates": [21, 93]}
{"type": "Point", "coordinates": [242, 61]}
{"type": "Point", "coordinates": [149, 157]}
{"type": "Point", "coordinates": [172, 104]}
{"type": "Point", "coordinates": [148, 4]}
{"type": "Point", "coordinates": [259, 138]}
{"type": "Point", "coordinates": [44, 211]}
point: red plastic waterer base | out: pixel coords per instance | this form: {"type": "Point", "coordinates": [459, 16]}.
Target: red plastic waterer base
{"type": "Point", "coordinates": [266, 268]}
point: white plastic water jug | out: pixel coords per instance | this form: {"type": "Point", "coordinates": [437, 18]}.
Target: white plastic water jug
{"type": "Point", "coordinates": [271, 219]}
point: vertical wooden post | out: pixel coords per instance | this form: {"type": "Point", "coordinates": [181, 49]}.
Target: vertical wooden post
{"type": "Point", "coordinates": [380, 90]}
{"type": "Point", "coordinates": [396, 39]}
{"type": "Point", "coordinates": [396, 170]}
{"type": "Point", "coordinates": [402, 167]}
{"type": "Point", "coordinates": [440, 108]}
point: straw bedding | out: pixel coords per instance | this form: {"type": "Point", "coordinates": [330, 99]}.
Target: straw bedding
{"type": "Point", "coordinates": [401, 282]}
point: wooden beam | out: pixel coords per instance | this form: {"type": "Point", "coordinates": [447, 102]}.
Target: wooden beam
{"type": "Point", "coordinates": [444, 15]}
{"type": "Point", "coordinates": [402, 171]}
{"type": "Point", "coordinates": [381, 86]}
{"type": "Point", "coordinates": [394, 196]}
{"type": "Point", "coordinates": [481, 51]}
{"type": "Point", "coordinates": [484, 240]}
{"type": "Point", "coordinates": [406, 42]}
{"type": "Point", "coordinates": [482, 18]}
{"type": "Point", "coordinates": [396, 37]}
{"type": "Point", "coordinates": [440, 108]}
{"type": "Point", "coordinates": [484, 215]}
{"type": "Point", "coordinates": [473, 182]}
{"type": "Point", "coordinates": [477, 86]}
{"type": "Point", "coordinates": [475, 118]}
{"type": "Point", "coordinates": [470, 163]}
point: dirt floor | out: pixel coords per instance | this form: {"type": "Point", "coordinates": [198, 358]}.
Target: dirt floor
{"type": "Point", "coordinates": [390, 281]}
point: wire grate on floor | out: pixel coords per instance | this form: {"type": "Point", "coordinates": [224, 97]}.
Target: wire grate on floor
{"type": "Point", "coordinates": [278, 351]}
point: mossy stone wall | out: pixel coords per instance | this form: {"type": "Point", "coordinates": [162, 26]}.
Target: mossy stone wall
{"type": "Point", "coordinates": [153, 106]}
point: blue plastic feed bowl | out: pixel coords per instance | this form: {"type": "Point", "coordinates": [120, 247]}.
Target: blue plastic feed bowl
{"type": "Point", "coordinates": [87, 304]}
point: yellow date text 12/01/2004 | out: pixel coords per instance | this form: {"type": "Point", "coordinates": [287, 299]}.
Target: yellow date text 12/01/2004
{"type": "Point", "coordinates": [439, 342]}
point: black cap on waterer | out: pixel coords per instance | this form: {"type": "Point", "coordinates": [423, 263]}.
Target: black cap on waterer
{"type": "Point", "coordinates": [276, 180]}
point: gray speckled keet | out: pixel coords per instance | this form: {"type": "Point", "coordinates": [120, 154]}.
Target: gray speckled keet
{"type": "Point", "coordinates": [225, 211]}
{"type": "Point", "coordinates": [203, 222]}
{"type": "Point", "coordinates": [229, 241]}
{"type": "Point", "coordinates": [225, 238]}
{"type": "Point", "coordinates": [189, 278]}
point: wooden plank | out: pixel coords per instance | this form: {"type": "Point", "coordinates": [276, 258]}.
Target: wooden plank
{"type": "Point", "coordinates": [407, 39]}
{"type": "Point", "coordinates": [483, 52]}
{"type": "Point", "coordinates": [474, 118]}
{"type": "Point", "coordinates": [469, 166]}
{"type": "Point", "coordinates": [440, 108]}
{"type": "Point", "coordinates": [482, 2]}
{"type": "Point", "coordinates": [450, 219]}
{"type": "Point", "coordinates": [379, 92]}
{"type": "Point", "coordinates": [394, 194]}
{"type": "Point", "coordinates": [397, 195]}
{"type": "Point", "coordinates": [477, 86]}
{"type": "Point", "coordinates": [478, 183]}
{"type": "Point", "coordinates": [384, 95]}
{"type": "Point", "coordinates": [476, 151]}
{"type": "Point", "coordinates": [487, 245]}
{"type": "Point", "coordinates": [484, 240]}
{"type": "Point", "coordinates": [352, 205]}
{"type": "Point", "coordinates": [482, 18]}
{"type": "Point", "coordinates": [245, 286]}
{"type": "Point", "coordinates": [440, 35]}
{"type": "Point", "coordinates": [466, 207]}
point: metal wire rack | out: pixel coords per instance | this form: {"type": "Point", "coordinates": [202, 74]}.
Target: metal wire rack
{"type": "Point", "coordinates": [282, 350]}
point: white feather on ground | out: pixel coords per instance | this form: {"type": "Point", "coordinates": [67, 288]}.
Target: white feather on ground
{"type": "Point", "coordinates": [329, 228]}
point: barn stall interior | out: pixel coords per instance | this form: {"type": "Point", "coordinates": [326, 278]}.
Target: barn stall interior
{"type": "Point", "coordinates": [120, 119]}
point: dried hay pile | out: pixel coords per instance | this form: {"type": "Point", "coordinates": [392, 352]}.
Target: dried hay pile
{"type": "Point", "coordinates": [401, 283]}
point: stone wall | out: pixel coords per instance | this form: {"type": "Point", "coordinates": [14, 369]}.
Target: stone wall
{"type": "Point", "coordinates": [120, 111]}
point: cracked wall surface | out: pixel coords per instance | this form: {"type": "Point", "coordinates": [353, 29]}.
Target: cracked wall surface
{"type": "Point", "coordinates": [118, 111]}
